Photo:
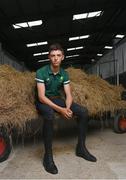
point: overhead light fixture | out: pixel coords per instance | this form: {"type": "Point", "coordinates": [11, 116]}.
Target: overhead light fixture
{"type": "Point", "coordinates": [76, 48]}
{"type": "Point", "coordinates": [35, 23]}
{"type": "Point", "coordinates": [37, 44]}
{"type": "Point", "coordinates": [80, 16]}
{"type": "Point", "coordinates": [73, 38]}
{"type": "Point", "coordinates": [108, 47]}
{"type": "Point", "coordinates": [79, 37]}
{"type": "Point", "coordinates": [42, 43]}
{"type": "Point", "coordinates": [76, 55]}
{"type": "Point", "coordinates": [84, 37]}
{"type": "Point", "coordinates": [87, 15]}
{"type": "Point", "coordinates": [44, 60]}
{"type": "Point", "coordinates": [94, 14]}
{"type": "Point", "coordinates": [20, 25]}
{"type": "Point", "coordinates": [120, 36]}
{"type": "Point", "coordinates": [70, 49]}
{"type": "Point", "coordinates": [37, 54]}
{"type": "Point", "coordinates": [81, 47]}
{"type": "Point", "coordinates": [44, 53]}
{"type": "Point", "coordinates": [99, 54]}
{"type": "Point", "coordinates": [27, 24]}
{"type": "Point", "coordinates": [31, 45]}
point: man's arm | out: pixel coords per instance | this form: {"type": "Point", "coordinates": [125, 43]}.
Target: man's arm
{"type": "Point", "coordinates": [68, 94]}
{"type": "Point", "coordinates": [45, 100]}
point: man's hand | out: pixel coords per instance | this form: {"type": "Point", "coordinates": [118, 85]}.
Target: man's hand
{"type": "Point", "coordinates": [67, 113]}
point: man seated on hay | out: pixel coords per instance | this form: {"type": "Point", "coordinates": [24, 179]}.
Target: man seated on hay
{"type": "Point", "coordinates": [50, 79]}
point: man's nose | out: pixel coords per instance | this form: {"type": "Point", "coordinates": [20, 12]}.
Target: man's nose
{"type": "Point", "coordinates": [56, 57]}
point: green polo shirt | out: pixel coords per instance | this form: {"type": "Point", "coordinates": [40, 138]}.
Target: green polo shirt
{"type": "Point", "coordinates": [53, 82]}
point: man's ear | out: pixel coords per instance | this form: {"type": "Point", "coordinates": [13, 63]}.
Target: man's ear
{"type": "Point", "coordinates": [62, 57]}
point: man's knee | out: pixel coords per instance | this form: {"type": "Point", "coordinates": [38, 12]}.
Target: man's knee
{"type": "Point", "coordinates": [79, 110]}
{"type": "Point", "coordinates": [83, 111]}
{"type": "Point", "coordinates": [46, 111]}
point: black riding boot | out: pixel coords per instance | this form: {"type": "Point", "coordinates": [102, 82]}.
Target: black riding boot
{"type": "Point", "coordinates": [48, 162]}
{"type": "Point", "coordinates": [81, 149]}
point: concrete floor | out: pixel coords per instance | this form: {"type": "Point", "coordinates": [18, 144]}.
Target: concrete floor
{"type": "Point", "coordinates": [109, 148]}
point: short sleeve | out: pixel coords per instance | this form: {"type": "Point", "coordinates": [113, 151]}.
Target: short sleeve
{"type": "Point", "coordinates": [39, 77]}
{"type": "Point", "coordinates": [66, 78]}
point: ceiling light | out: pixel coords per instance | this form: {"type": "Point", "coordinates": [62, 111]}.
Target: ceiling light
{"type": "Point", "coordinates": [80, 16]}
{"type": "Point", "coordinates": [87, 15]}
{"type": "Point", "coordinates": [94, 14]}
{"type": "Point", "coordinates": [73, 38]}
{"type": "Point", "coordinates": [72, 56]}
{"type": "Point", "coordinates": [76, 48]}
{"type": "Point", "coordinates": [35, 23]}
{"type": "Point", "coordinates": [43, 53]}
{"type": "Point", "coordinates": [81, 47]}
{"type": "Point", "coordinates": [78, 37]}
{"type": "Point", "coordinates": [70, 49]}
{"type": "Point", "coordinates": [37, 44]}
{"type": "Point", "coordinates": [108, 47]}
{"type": "Point", "coordinates": [84, 37]}
{"type": "Point", "coordinates": [31, 45]}
{"type": "Point", "coordinates": [20, 25]}
{"type": "Point", "coordinates": [42, 43]}
{"type": "Point", "coordinates": [44, 60]}
{"type": "Point", "coordinates": [37, 54]}
{"type": "Point", "coordinates": [27, 24]}
{"type": "Point", "coordinates": [120, 36]}
{"type": "Point", "coordinates": [99, 54]}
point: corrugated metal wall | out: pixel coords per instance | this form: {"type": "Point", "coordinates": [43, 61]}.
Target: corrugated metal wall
{"type": "Point", "coordinates": [112, 63]}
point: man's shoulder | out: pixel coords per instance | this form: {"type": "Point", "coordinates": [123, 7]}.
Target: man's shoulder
{"type": "Point", "coordinates": [63, 71]}
{"type": "Point", "coordinates": [42, 69]}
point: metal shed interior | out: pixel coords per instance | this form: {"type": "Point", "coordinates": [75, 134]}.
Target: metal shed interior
{"type": "Point", "coordinates": [84, 41]}
{"type": "Point", "coordinates": [57, 25]}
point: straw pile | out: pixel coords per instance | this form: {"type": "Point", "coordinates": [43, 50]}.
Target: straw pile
{"type": "Point", "coordinates": [17, 95]}
{"type": "Point", "coordinates": [95, 93]}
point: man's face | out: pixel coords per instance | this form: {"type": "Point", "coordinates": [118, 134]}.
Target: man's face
{"type": "Point", "coordinates": [56, 56]}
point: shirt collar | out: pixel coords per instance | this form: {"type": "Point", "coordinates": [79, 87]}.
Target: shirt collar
{"type": "Point", "coordinates": [50, 70]}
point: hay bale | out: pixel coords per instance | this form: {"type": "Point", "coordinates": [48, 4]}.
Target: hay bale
{"type": "Point", "coordinates": [17, 98]}
{"type": "Point", "coordinates": [17, 90]}
{"type": "Point", "coordinates": [95, 93]}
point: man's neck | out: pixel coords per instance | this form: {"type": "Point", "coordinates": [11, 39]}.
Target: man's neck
{"type": "Point", "coordinates": [55, 70]}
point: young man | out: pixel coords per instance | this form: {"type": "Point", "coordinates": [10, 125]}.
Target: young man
{"type": "Point", "coordinates": [50, 79]}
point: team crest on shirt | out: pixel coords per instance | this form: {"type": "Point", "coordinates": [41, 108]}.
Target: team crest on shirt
{"type": "Point", "coordinates": [47, 79]}
{"type": "Point", "coordinates": [61, 79]}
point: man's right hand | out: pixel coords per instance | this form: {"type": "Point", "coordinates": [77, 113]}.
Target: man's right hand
{"type": "Point", "coordinates": [67, 113]}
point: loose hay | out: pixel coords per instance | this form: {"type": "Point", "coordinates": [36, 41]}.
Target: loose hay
{"type": "Point", "coordinates": [17, 95]}
{"type": "Point", "coordinates": [95, 93]}
{"type": "Point", "coordinates": [17, 92]}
